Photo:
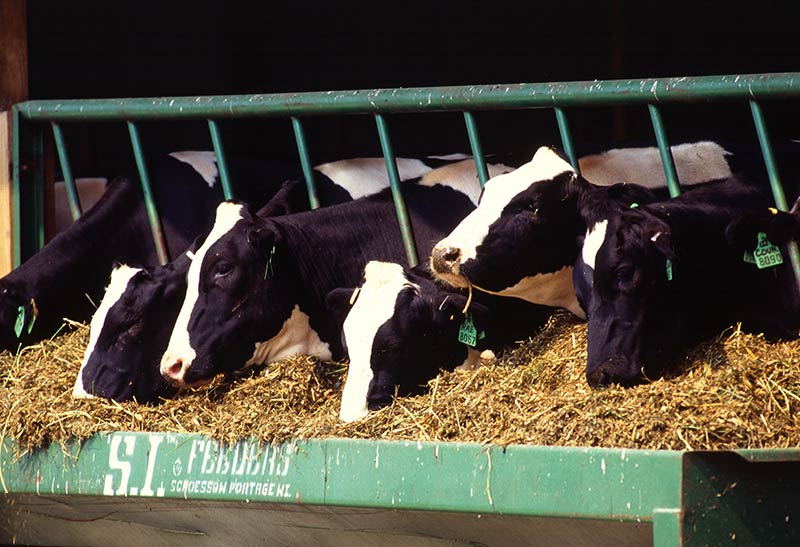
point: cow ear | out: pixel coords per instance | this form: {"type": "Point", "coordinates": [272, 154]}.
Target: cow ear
{"type": "Point", "coordinates": [262, 237]}
{"type": "Point", "coordinates": [284, 201]}
{"type": "Point", "coordinates": [448, 307]}
{"type": "Point", "coordinates": [780, 227]}
{"type": "Point", "coordinates": [663, 243]}
{"type": "Point", "coordinates": [339, 302]}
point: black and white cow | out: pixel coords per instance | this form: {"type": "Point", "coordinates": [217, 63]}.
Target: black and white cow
{"type": "Point", "coordinates": [121, 361]}
{"type": "Point", "coordinates": [71, 271]}
{"type": "Point", "coordinates": [257, 286]}
{"type": "Point", "coordinates": [665, 277]}
{"type": "Point", "coordinates": [400, 329]}
{"type": "Point", "coordinates": [526, 233]}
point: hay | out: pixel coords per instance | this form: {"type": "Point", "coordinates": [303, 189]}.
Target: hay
{"type": "Point", "coordinates": [737, 391]}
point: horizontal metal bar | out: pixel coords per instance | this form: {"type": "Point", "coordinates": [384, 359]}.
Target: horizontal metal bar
{"type": "Point", "coordinates": [470, 98]}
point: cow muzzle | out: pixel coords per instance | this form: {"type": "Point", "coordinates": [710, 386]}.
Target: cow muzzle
{"type": "Point", "coordinates": [173, 370]}
{"type": "Point", "coordinates": [446, 260]}
{"type": "Point", "coordinates": [616, 370]}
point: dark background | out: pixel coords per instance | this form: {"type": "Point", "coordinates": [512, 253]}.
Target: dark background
{"type": "Point", "coordinates": [92, 49]}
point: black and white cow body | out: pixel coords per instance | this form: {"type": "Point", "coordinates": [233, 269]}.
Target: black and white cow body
{"type": "Point", "coordinates": [122, 361]}
{"type": "Point", "coordinates": [261, 282]}
{"type": "Point", "coordinates": [527, 232]}
{"type": "Point", "coordinates": [71, 271]}
{"type": "Point", "coordinates": [665, 277]}
{"type": "Point", "coordinates": [400, 329]}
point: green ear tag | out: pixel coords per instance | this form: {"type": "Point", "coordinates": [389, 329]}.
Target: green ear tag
{"type": "Point", "coordinates": [669, 270]}
{"type": "Point", "coordinates": [467, 333]}
{"type": "Point", "coordinates": [30, 325]}
{"type": "Point", "coordinates": [766, 254]}
{"type": "Point", "coordinates": [270, 268]}
{"type": "Point", "coordinates": [634, 205]}
{"type": "Point", "coordinates": [749, 258]}
{"type": "Point", "coordinates": [20, 322]}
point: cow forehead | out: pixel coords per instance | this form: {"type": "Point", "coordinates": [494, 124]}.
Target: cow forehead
{"type": "Point", "coordinates": [544, 165]}
{"type": "Point", "coordinates": [497, 193]}
{"type": "Point", "coordinates": [595, 237]}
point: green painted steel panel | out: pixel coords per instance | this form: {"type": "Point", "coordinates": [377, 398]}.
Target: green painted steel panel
{"type": "Point", "coordinates": [606, 484]}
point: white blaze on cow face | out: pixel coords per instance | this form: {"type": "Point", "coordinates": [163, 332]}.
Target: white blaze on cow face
{"type": "Point", "coordinates": [595, 236]}
{"type": "Point", "coordinates": [296, 337]}
{"type": "Point", "coordinates": [497, 192]}
{"type": "Point", "coordinates": [180, 348]}
{"type": "Point", "coordinates": [204, 162]}
{"type": "Point", "coordinates": [120, 277]}
{"type": "Point", "coordinates": [364, 176]}
{"type": "Point", "coordinates": [374, 306]}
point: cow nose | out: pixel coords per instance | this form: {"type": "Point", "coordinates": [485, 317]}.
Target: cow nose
{"type": "Point", "coordinates": [445, 259]}
{"type": "Point", "coordinates": [174, 373]}
{"type": "Point", "coordinates": [599, 377]}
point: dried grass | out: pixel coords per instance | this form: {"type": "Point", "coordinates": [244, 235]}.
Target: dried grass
{"type": "Point", "coordinates": [737, 391]}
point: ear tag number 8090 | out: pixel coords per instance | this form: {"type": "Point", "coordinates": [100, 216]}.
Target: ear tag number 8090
{"type": "Point", "coordinates": [766, 254]}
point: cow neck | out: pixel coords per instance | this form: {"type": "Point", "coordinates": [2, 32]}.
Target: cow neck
{"type": "Point", "coordinates": [85, 253]}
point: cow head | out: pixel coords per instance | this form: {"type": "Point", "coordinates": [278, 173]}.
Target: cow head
{"type": "Point", "coordinates": [400, 331]}
{"type": "Point", "coordinates": [521, 239]}
{"type": "Point", "coordinates": [128, 335]}
{"type": "Point", "coordinates": [631, 307]}
{"type": "Point", "coordinates": [229, 306]}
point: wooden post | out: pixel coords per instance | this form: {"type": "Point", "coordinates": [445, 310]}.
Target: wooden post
{"type": "Point", "coordinates": [13, 89]}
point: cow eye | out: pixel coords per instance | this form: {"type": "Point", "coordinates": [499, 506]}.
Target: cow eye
{"type": "Point", "coordinates": [222, 269]}
{"type": "Point", "coordinates": [625, 275]}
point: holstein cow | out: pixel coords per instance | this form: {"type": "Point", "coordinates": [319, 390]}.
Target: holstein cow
{"type": "Point", "coordinates": [400, 329]}
{"type": "Point", "coordinates": [664, 277]}
{"type": "Point", "coordinates": [526, 233]}
{"type": "Point", "coordinates": [70, 272]}
{"type": "Point", "coordinates": [121, 361]}
{"type": "Point", "coordinates": [257, 286]}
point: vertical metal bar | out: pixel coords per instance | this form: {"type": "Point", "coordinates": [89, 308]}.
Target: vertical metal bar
{"type": "Point", "coordinates": [222, 163]}
{"type": "Point", "coordinates": [16, 178]}
{"type": "Point", "coordinates": [36, 203]}
{"type": "Point", "coordinates": [664, 150]}
{"type": "Point", "coordinates": [66, 172]}
{"type": "Point", "coordinates": [152, 213]}
{"type": "Point", "coordinates": [397, 194]}
{"type": "Point", "coordinates": [774, 178]}
{"type": "Point", "coordinates": [566, 139]}
{"type": "Point", "coordinates": [477, 149]}
{"type": "Point", "coordinates": [305, 161]}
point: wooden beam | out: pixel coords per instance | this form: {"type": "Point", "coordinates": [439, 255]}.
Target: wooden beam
{"type": "Point", "coordinates": [13, 89]}
{"type": "Point", "coordinates": [13, 53]}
